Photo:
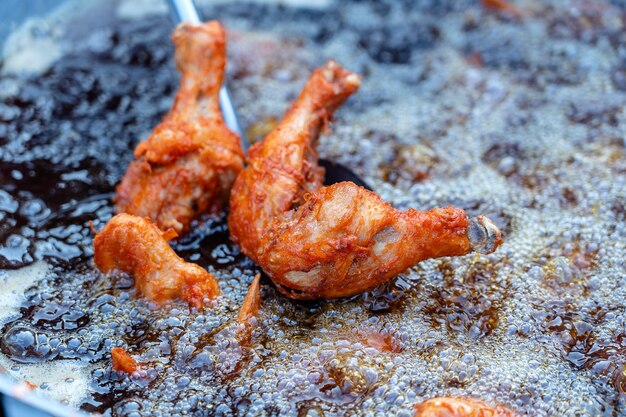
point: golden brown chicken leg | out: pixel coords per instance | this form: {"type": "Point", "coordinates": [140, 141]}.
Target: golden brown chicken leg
{"type": "Point", "coordinates": [346, 240]}
{"type": "Point", "coordinates": [283, 168]}
{"type": "Point", "coordinates": [340, 240]}
{"type": "Point", "coordinates": [188, 164]}
{"type": "Point", "coordinates": [133, 245]}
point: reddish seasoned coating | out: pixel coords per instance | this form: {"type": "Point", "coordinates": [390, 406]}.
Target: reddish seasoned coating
{"type": "Point", "coordinates": [460, 407]}
{"type": "Point", "coordinates": [283, 168]}
{"type": "Point", "coordinates": [252, 302]}
{"type": "Point", "coordinates": [188, 164]}
{"type": "Point", "coordinates": [380, 341]}
{"type": "Point", "coordinates": [346, 240]}
{"type": "Point", "coordinates": [30, 385]}
{"type": "Point", "coordinates": [134, 245]}
{"type": "Point", "coordinates": [502, 6]}
{"type": "Point", "coordinates": [249, 310]}
{"type": "Point", "coordinates": [121, 361]}
{"type": "Point", "coordinates": [337, 241]}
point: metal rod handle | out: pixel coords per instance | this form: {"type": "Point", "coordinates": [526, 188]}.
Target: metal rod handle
{"type": "Point", "coordinates": [184, 11]}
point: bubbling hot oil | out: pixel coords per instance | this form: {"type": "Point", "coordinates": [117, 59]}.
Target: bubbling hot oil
{"type": "Point", "coordinates": [519, 120]}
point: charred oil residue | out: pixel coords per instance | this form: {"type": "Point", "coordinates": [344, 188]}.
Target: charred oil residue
{"type": "Point", "coordinates": [519, 118]}
{"type": "Point", "coordinates": [67, 137]}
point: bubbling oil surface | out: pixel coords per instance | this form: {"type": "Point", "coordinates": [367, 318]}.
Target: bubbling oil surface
{"type": "Point", "coordinates": [520, 120]}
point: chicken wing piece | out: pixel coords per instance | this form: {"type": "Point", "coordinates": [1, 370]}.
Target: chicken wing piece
{"type": "Point", "coordinates": [188, 164]}
{"type": "Point", "coordinates": [459, 407]}
{"type": "Point", "coordinates": [340, 240]}
{"type": "Point", "coordinates": [134, 245]}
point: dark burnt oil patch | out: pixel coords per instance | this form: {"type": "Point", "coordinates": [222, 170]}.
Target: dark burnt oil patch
{"type": "Point", "coordinates": [468, 304]}
{"type": "Point", "coordinates": [67, 137]}
{"type": "Point", "coordinates": [574, 328]}
{"type": "Point", "coordinates": [409, 164]}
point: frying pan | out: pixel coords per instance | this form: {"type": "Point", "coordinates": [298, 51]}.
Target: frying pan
{"type": "Point", "coordinates": [519, 119]}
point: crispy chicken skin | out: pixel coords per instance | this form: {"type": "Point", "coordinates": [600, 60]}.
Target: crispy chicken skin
{"type": "Point", "coordinates": [330, 242]}
{"type": "Point", "coordinates": [283, 168]}
{"type": "Point", "coordinates": [134, 245]}
{"type": "Point", "coordinates": [188, 164]}
{"type": "Point", "coordinates": [459, 407]}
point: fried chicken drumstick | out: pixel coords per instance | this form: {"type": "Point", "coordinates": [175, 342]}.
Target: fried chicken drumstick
{"type": "Point", "coordinates": [329, 242]}
{"type": "Point", "coordinates": [188, 164]}
{"type": "Point", "coordinates": [134, 245]}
